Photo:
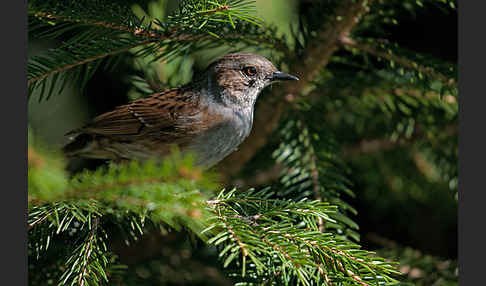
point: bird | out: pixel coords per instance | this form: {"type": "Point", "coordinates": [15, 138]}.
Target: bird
{"type": "Point", "coordinates": [209, 117]}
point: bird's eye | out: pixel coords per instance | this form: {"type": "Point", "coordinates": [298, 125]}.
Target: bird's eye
{"type": "Point", "coordinates": [250, 71]}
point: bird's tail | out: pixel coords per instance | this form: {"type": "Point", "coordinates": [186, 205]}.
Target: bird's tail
{"type": "Point", "coordinates": [82, 155]}
{"type": "Point", "coordinates": [78, 146]}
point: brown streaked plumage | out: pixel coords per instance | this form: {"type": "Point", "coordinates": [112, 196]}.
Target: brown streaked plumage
{"type": "Point", "coordinates": [210, 116]}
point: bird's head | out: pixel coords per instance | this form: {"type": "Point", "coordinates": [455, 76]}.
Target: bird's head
{"type": "Point", "coordinates": [238, 78]}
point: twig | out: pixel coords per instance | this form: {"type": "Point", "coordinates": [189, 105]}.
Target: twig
{"type": "Point", "coordinates": [31, 225]}
{"type": "Point", "coordinates": [350, 273]}
{"type": "Point", "coordinates": [233, 235]}
{"type": "Point", "coordinates": [67, 67]}
{"type": "Point", "coordinates": [139, 32]}
{"type": "Point", "coordinates": [150, 36]}
{"type": "Point", "coordinates": [216, 10]}
{"type": "Point", "coordinates": [316, 187]}
{"type": "Point", "coordinates": [323, 274]}
{"type": "Point", "coordinates": [93, 23]}
{"type": "Point", "coordinates": [89, 250]}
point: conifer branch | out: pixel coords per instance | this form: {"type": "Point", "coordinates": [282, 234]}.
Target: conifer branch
{"type": "Point", "coordinates": [196, 25]}
{"type": "Point", "coordinates": [86, 266]}
{"type": "Point", "coordinates": [278, 249]}
{"type": "Point", "coordinates": [39, 220]}
{"type": "Point", "coordinates": [82, 62]}
{"type": "Point", "coordinates": [88, 248]}
{"type": "Point", "coordinates": [341, 254]}
{"type": "Point", "coordinates": [80, 192]}
{"type": "Point", "coordinates": [299, 250]}
{"type": "Point", "coordinates": [314, 172]}
{"type": "Point", "coordinates": [102, 24]}
{"type": "Point", "coordinates": [149, 33]}
{"type": "Point", "coordinates": [324, 274]}
{"type": "Point", "coordinates": [233, 235]}
{"type": "Point", "coordinates": [215, 10]}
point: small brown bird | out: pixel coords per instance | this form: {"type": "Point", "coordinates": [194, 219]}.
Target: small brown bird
{"type": "Point", "coordinates": [209, 117]}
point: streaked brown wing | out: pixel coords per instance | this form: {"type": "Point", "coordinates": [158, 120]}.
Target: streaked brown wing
{"type": "Point", "coordinates": [157, 112]}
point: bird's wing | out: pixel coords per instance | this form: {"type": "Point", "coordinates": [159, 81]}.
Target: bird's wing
{"type": "Point", "coordinates": [158, 112]}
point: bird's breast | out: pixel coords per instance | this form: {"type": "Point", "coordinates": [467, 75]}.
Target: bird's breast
{"type": "Point", "coordinates": [222, 138]}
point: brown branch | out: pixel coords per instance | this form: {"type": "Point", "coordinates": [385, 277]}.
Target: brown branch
{"type": "Point", "coordinates": [88, 249]}
{"type": "Point", "coordinates": [276, 248]}
{"type": "Point", "coordinates": [314, 173]}
{"type": "Point", "coordinates": [373, 50]}
{"type": "Point", "coordinates": [150, 36]}
{"type": "Point", "coordinates": [350, 273]}
{"type": "Point", "coordinates": [215, 203]}
{"type": "Point", "coordinates": [316, 56]}
{"type": "Point", "coordinates": [91, 23]}
{"type": "Point", "coordinates": [316, 186]}
{"type": "Point", "coordinates": [216, 10]}
{"type": "Point", "coordinates": [233, 235]}
{"type": "Point", "coordinates": [279, 250]}
{"type": "Point", "coordinates": [138, 32]}
{"type": "Point", "coordinates": [323, 274]}
{"type": "Point", "coordinates": [33, 224]}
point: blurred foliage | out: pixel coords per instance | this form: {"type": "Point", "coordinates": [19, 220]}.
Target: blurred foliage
{"type": "Point", "coordinates": [420, 269]}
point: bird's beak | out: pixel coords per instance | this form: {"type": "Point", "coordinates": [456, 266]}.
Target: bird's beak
{"type": "Point", "coordinates": [278, 75]}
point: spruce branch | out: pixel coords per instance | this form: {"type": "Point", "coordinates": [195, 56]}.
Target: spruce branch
{"type": "Point", "coordinates": [87, 250]}
{"type": "Point", "coordinates": [88, 262]}
{"type": "Point", "coordinates": [246, 226]}
{"type": "Point", "coordinates": [39, 220]}
{"type": "Point", "coordinates": [102, 24]}
{"type": "Point", "coordinates": [155, 31]}
{"type": "Point", "coordinates": [60, 69]}
{"type": "Point", "coordinates": [47, 221]}
{"type": "Point", "coordinates": [314, 172]}
{"type": "Point", "coordinates": [343, 253]}
{"type": "Point", "coordinates": [312, 168]}
{"type": "Point", "coordinates": [171, 192]}
{"type": "Point", "coordinates": [197, 25]}
{"type": "Point", "coordinates": [233, 235]}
